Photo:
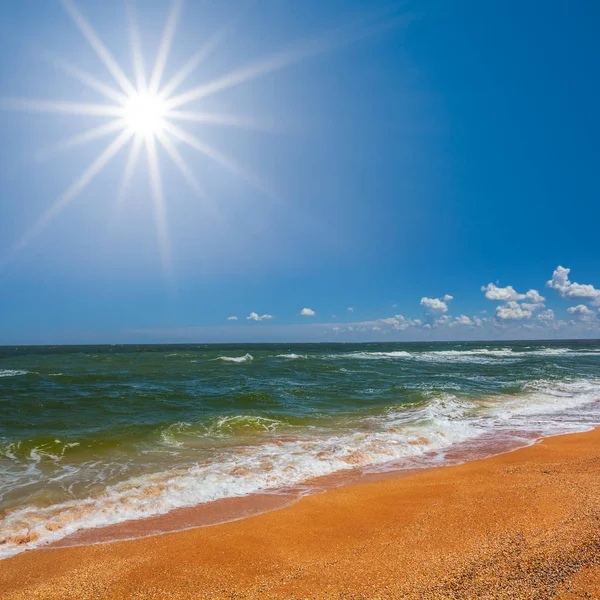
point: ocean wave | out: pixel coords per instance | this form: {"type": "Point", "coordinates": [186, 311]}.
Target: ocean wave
{"type": "Point", "coordinates": [475, 355]}
{"type": "Point", "coordinates": [236, 359]}
{"type": "Point", "coordinates": [547, 397]}
{"type": "Point", "coordinates": [292, 356]}
{"type": "Point", "coordinates": [177, 433]}
{"type": "Point", "coordinates": [244, 424]}
{"type": "Point", "coordinates": [406, 435]}
{"type": "Point", "coordinates": [36, 450]}
{"type": "Point", "coordinates": [250, 469]}
{"type": "Point", "coordinates": [503, 353]}
{"type": "Point", "coordinates": [12, 372]}
{"type": "Point", "coordinates": [370, 355]}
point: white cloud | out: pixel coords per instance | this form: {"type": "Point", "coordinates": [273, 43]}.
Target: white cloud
{"type": "Point", "coordinates": [400, 322]}
{"type": "Point", "coordinates": [512, 311]}
{"type": "Point", "coordinates": [492, 292]}
{"type": "Point", "coordinates": [463, 320]}
{"type": "Point", "coordinates": [256, 317]}
{"type": "Point", "coordinates": [532, 307]}
{"type": "Point", "coordinates": [582, 312]}
{"type": "Point", "coordinates": [308, 312]}
{"type": "Point", "coordinates": [387, 325]}
{"type": "Point", "coordinates": [389, 320]}
{"type": "Point", "coordinates": [436, 306]}
{"type": "Point", "coordinates": [508, 293]}
{"type": "Point", "coordinates": [232, 318]}
{"type": "Point", "coordinates": [441, 321]}
{"type": "Point", "coordinates": [568, 289]}
{"type": "Point", "coordinates": [535, 297]}
{"type": "Point", "coordinates": [546, 316]}
{"type": "Point", "coordinates": [351, 309]}
{"type": "Point", "coordinates": [560, 279]}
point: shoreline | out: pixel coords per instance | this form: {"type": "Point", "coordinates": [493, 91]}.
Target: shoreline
{"type": "Point", "coordinates": [521, 524]}
{"type": "Point", "coordinates": [236, 508]}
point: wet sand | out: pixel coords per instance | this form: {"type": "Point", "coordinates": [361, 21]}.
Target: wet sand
{"type": "Point", "coordinates": [520, 525]}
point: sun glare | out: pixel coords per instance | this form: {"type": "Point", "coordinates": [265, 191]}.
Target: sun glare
{"type": "Point", "coordinates": [147, 114]}
{"type": "Point", "coordinates": [144, 114]}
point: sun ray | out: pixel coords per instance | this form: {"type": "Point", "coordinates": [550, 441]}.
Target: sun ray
{"type": "Point", "coordinates": [82, 138]}
{"type": "Point", "coordinates": [165, 46]}
{"type": "Point", "coordinates": [248, 73]}
{"type": "Point", "coordinates": [96, 43]}
{"type": "Point", "coordinates": [158, 199]}
{"type": "Point", "coordinates": [189, 176]}
{"type": "Point", "coordinates": [149, 115]}
{"type": "Point", "coordinates": [85, 78]}
{"type": "Point", "coordinates": [61, 107]}
{"type": "Point", "coordinates": [132, 159]}
{"type": "Point", "coordinates": [70, 194]}
{"type": "Point", "coordinates": [220, 119]}
{"type": "Point", "coordinates": [345, 34]}
{"type": "Point", "coordinates": [192, 64]}
{"type": "Point", "coordinates": [136, 47]}
{"type": "Point", "coordinates": [180, 163]}
{"type": "Point", "coordinates": [216, 156]}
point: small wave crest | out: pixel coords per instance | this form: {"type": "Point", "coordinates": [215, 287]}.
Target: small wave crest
{"type": "Point", "coordinates": [12, 372]}
{"type": "Point", "coordinates": [240, 424]}
{"type": "Point", "coordinates": [475, 355]}
{"type": "Point", "coordinates": [370, 355]}
{"type": "Point", "coordinates": [36, 449]}
{"type": "Point", "coordinates": [236, 359]}
{"type": "Point", "coordinates": [234, 425]}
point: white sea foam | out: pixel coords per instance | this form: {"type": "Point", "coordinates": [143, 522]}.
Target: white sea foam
{"type": "Point", "coordinates": [292, 356]}
{"type": "Point", "coordinates": [12, 372]}
{"type": "Point", "coordinates": [476, 355]}
{"type": "Point", "coordinates": [236, 359]}
{"type": "Point", "coordinates": [419, 434]}
{"type": "Point", "coordinates": [370, 355]}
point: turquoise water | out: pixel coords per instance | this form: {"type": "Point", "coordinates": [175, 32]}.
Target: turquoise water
{"type": "Point", "coordinates": [102, 434]}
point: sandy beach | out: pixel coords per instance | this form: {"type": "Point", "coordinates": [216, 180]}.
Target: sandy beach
{"type": "Point", "coordinates": [520, 525]}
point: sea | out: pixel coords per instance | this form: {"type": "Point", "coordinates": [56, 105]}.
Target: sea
{"type": "Point", "coordinates": [92, 436]}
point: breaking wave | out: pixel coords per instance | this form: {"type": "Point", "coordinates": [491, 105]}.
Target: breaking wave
{"type": "Point", "coordinates": [477, 355]}
{"type": "Point", "coordinates": [236, 359]}
{"type": "Point", "coordinates": [405, 436]}
{"type": "Point", "coordinates": [370, 355]}
{"type": "Point", "coordinates": [12, 372]}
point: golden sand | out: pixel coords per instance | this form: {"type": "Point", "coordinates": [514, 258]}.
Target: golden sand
{"type": "Point", "coordinates": [521, 525]}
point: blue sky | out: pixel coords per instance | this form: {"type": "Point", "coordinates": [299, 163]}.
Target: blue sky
{"type": "Point", "coordinates": [380, 157]}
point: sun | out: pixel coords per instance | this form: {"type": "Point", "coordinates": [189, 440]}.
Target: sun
{"type": "Point", "coordinates": [148, 115]}
{"type": "Point", "coordinates": [144, 114]}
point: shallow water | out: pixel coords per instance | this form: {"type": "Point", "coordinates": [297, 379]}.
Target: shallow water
{"type": "Point", "coordinates": [97, 435]}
